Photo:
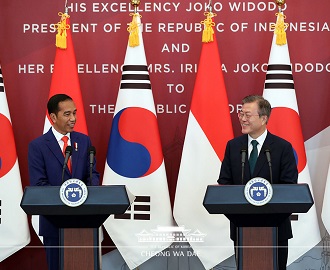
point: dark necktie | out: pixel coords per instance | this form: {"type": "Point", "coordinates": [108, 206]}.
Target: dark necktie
{"type": "Point", "coordinates": [253, 156]}
{"type": "Point", "coordinates": [65, 140]}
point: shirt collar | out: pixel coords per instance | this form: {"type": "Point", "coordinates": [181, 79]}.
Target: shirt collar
{"type": "Point", "coordinates": [261, 139]}
{"type": "Point", "coordinates": [59, 136]}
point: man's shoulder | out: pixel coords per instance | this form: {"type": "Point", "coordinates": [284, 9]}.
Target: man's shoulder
{"type": "Point", "coordinates": [277, 139]}
{"type": "Point", "coordinates": [238, 139]}
{"type": "Point", "coordinates": [78, 134]}
{"type": "Point", "coordinates": [42, 138]}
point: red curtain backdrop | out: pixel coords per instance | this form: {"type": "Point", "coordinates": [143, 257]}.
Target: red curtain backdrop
{"type": "Point", "coordinates": [172, 38]}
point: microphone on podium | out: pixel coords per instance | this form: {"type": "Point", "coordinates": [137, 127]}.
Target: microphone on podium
{"type": "Point", "coordinates": [92, 152]}
{"type": "Point", "coordinates": [68, 153]}
{"type": "Point", "coordinates": [267, 153]}
{"type": "Point", "coordinates": [243, 159]}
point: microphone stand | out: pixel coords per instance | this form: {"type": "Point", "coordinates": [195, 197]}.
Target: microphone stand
{"type": "Point", "coordinates": [267, 152]}
{"type": "Point", "coordinates": [243, 156]}
{"type": "Point", "coordinates": [90, 172]}
{"type": "Point", "coordinates": [64, 166]}
{"type": "Point", "coordinates": [68, 152]}
{"type": "Point", "coordinates": [92, 153]}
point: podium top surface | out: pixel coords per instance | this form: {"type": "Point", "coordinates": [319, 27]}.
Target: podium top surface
{"type": "Point", "coordinates": [230, 199]}
{"type": "Point", "coordinates": [101, 200]}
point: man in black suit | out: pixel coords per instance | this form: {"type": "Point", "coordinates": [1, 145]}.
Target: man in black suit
{"type": "Point", "coordinates": [253, 119]}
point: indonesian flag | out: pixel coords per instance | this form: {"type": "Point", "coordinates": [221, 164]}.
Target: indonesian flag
{"type": "Point", "coordinates": [285, 122]}
{"type": "Point", "coordinates": [326, 204]}
{"type": "Point", "coordinates": [14, 228]}
{"type": "Point", "coordinates": [65, 80]}
{"type": "Point", "coordinates": [135, 159]}
{"type": "Point", "coordinates": [208, 131]}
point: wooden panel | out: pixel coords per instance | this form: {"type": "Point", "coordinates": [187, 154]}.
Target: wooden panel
{"type": "Point", "coordinates": [258, 248]}
{"type": "Point", "coordinates": [78, 251]}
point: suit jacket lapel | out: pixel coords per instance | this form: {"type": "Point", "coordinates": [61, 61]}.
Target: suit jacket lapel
{"type": "Point", "coordinates": [52, 144]}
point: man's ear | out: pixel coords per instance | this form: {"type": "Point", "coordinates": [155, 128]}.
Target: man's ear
{"type": "Point", "coordinates": [53, 117]}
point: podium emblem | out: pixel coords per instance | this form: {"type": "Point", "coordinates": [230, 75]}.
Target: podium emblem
{"type": "Point", "coordinates": [73, 192]}
{"type": "Point", "coordinates": [258, 191]}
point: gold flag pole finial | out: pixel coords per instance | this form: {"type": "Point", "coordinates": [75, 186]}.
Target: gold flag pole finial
{"type": "Point", "coordinates": [208, 31]}
{"type": "Point", "coordinates": [280, 3]}
{"type": "Point", "coordinates": [135, 4]}
{"type": "Point", "coordinates": [133, 27]}
{"type": "Point", "coordinates": [280, 27]}
{"type": "Point", "coordinates": [61, 27]}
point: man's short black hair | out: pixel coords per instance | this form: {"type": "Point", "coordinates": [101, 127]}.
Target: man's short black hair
{"type": "Point", "coordinates": [52, 105]}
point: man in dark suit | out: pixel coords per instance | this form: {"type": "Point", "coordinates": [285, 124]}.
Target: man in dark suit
{"type": "Point", "coordinates": [253, 119]}
{"type": "Point", "coordinates": [46, 160]}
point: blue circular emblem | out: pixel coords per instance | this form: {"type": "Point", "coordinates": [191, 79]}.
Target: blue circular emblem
{"type": "Point", "coordinates": [258, 191]}
{"type": "Point", "coordinates": [73, 192]}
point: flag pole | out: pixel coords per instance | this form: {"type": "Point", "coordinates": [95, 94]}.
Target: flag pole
{"type": "Point", "coordinates": [208, 23]}
{"type": "Point", "coordinates": [133, 27]}
{"type": "Point", "coordinates": [209, 6]}
{"type": "Point", "coordinates": [66, 7]}
{"type": "Point", "coordinates": [62, 26]}
{"type": "Point", "coordinates": [280, 26]}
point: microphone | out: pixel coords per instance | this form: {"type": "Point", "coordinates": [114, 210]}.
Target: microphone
{"type": "Point", "coordinates": [92, 152]}
{"type": "Point", "coordinates": [267, 153]}
{"type": "Point", "coordinates": [68, 153]}
{"type": "Point", "coordinates": [243, 159]}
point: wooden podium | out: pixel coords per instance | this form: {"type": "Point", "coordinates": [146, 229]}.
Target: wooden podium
{"type": "Point", "coordinates": [79, 237]}
{"type": "Point", "coordinates": [257, 225]}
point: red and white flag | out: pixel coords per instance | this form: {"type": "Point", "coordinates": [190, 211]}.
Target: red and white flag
{"type": "Point", "coordinates": [135, 159]}
{"type": "Point", "coordinates": [14, 228]}
{"type": "Point", "coordinates": [65, 80]}
{"type": "Point", "coordinates": [326, 204]}
{"type": "Point", "coordinates": [208, 131]}
{"type": "Point", "coordinates": [284, 121]}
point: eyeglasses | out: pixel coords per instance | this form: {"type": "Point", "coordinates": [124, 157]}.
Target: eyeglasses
{"type": "Point", "coordinates": [247, 116]}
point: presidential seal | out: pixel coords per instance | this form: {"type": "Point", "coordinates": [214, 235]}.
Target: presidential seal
{"type": "Point", "coordinates": [73, 192]}
{"type": "Point", "coordinates": [258, 191]}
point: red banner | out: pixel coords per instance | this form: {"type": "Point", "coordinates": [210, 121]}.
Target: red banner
{"type": "Point", "coordinates": [172, 38]}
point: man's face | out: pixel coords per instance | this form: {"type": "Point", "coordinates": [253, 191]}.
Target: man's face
{"type": "Point", "coordinates": [250, 121]}
{"type": "Point", "coordinates": [65, 119]}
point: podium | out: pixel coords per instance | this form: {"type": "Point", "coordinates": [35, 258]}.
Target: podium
{"type": "Point", "coordinates": [257, 225]}
{"type": "Point", "coordinates": [79, 225]}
